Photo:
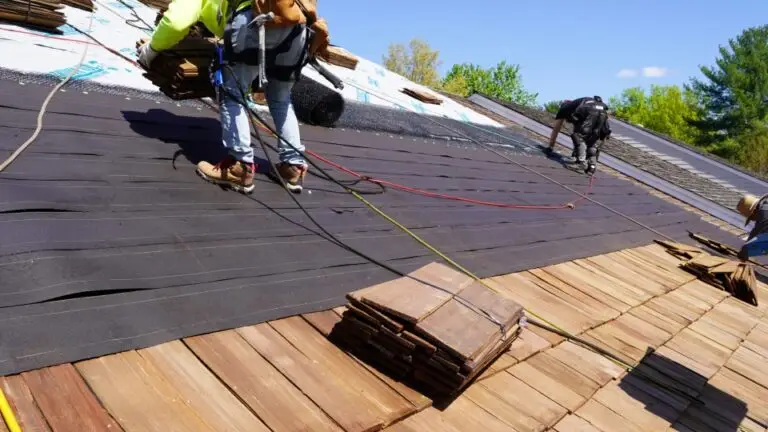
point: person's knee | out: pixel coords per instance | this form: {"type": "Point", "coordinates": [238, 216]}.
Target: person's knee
{"type": "Point", "coordinates": [279, 91]}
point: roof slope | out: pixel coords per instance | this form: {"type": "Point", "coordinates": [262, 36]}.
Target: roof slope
{"type": "Point", "coordinates": [95, 206]}
{"type": "Point", "coordinates": [699, 358]}
{"type": "Point", "coordinates": [645, 161]}
{"type": "Point", "coordinates": [702, 152]}
{"type": "Point", "coordinates": [134, 277]}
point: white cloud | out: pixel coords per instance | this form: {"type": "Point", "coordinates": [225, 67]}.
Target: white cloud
{"type": "Point", "coordinates": [654, 72]}
{"type": "Point", "coordinates": [627, 73]}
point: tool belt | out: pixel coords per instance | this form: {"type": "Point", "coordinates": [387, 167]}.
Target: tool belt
{"type": "Point", "coordinates": [316, 38]}
{"type": "Point", "coordinates": [289, 13]}
{"type": "Point", "coordinates": [249, 53]}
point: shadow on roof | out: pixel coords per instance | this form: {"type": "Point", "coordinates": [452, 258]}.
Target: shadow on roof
{"type": "Point", "coordinates": [198, 138]}
{"type": "Point", "coordinates": [679, 395]}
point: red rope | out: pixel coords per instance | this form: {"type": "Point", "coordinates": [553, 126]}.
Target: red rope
{"type": "Point", "coordinates": [570, 204]}
{"type": "Point", "coordinates": [46, 36]}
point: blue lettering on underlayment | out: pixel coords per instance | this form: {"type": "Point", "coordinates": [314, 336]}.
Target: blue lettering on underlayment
{"type": "Point", "coordinates": [363, 96]}
{"type": "Point", "coordinates": [119, 5]}
{"type": "Point", "coordinates": [130, 52]}
{"type": "Point", "coordinates": [125, 4]}
{"type": "Point", "coordinates": [89, 70]}
{"type": "Point", "coordinates": [372, 81]}
{"type": "Point", "coordinates": [419, 106]}
{"type": "Point", "coordinates": [66, 30]}
{"type": "Point", "coordinates": [380, 72]}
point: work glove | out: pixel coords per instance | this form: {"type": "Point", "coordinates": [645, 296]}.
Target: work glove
{"type": "Point", "coordinates": [146, 54]}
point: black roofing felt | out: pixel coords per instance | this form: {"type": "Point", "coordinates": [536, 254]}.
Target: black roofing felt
{"type": "Point", "coordinates": [106, 247]}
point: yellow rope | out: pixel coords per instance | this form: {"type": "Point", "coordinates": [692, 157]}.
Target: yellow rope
{"type": "Point", "coordinates": [448, 259]}
{"type": "Point", "coordinates": [7, 412]}
{"type": "Point", "coordinates": [464, 270]}
{"type": "Point", "coordinates": [441, 254]}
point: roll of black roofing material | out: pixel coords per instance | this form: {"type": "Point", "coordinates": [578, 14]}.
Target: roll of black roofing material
{"type": "Point", "coordinates": [315, 103]}
{"type": "Point", "coordinates": [406, 122]}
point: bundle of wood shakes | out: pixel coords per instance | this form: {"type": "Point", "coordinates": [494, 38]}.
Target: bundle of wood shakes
{"type": "Point", "coordinates": [45, 15]}
{"type": "Point", "coordinates": [437, 328]}
{"type": "Point", "coordinates": [184, 71]}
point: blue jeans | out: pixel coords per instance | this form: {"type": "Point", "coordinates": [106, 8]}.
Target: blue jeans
{"type": "Point", "coordinates": [236, 127]}
{"type": "Point", "coordinates": [758, 245]}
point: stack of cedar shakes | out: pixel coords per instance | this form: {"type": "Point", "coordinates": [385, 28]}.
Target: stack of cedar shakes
{"type": "Point", "coordinates": [422, 96]}
{"type": "Point", "coordinates": [437, 328]}
{"type": "Point", "coordinates": [42, 15]}
{"type": "Point", "coordinates": [184, 71]}
{"type": "Point", "coordinates": [734, 277]}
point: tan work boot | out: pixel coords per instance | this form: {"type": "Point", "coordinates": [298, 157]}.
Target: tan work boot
{"type": "Point", "coordinates": [229, 172]}
{"type": "Point", "coordinates": [293, 175]}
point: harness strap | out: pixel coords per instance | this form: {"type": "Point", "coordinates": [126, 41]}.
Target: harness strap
{"type": "Point", "coordinates": [250, 56]}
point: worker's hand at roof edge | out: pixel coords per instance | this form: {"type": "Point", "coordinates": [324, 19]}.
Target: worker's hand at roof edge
{"type": "Point", "coordinates": [146, 55]}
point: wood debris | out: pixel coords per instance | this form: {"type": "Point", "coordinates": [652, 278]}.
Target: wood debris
{"type": "Point", "coordinates": [680, 250]}
{"type": "Point", "coordinates": [722, 248]}
{"type": "Point", "coordinates": [422, 96]}
{"type": "Point", "coordinates": [735, 277]}
{"type": "Point", "coordinates": [340, 57]}
{"type": "Point", "coordinates": [438, 329]}
{"type": "Point", "coordinates": [44, 15]}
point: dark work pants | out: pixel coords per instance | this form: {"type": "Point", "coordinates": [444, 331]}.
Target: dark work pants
{"type": "Point", "coordinates": [584, 149]}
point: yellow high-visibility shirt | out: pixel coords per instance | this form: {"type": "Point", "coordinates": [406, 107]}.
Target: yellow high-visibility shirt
{"type": "Point", "coordinates": [183, 14]}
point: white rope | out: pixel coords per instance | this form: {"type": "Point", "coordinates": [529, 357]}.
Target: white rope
{"type": "Point", "coordinates": [44, 107]}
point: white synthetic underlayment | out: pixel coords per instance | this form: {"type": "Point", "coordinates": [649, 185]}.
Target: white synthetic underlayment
{"type": "Point", "coordinates": [30, 51]}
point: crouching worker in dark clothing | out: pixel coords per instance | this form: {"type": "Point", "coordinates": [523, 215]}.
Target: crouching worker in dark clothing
{"type": "Point", "coordinates": [754, 209]}
{"type": "Point", "coordinates": [589, 117]}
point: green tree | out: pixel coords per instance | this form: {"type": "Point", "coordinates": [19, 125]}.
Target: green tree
{"type": "Point", "coordinates": [553, 106]}
{"type": "Point", "coordinates": [734, 92]}
{"type": "Point", "coordinates": [666, 109]}
{"type": "Point", "coordinates": [418, 63]}
{"type": "Point", "coordinates": [752, 148]}
{"type": "Point", "coordinates": [457, 85]}
{"type": "Point", "coordinates": [502, 81]}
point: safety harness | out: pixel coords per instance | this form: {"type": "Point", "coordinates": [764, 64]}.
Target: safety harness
{"type": "Point", "coordinates": [264, 58]}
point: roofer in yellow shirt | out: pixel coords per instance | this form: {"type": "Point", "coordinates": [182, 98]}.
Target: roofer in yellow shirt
{"type": "Point", "coordinates": [287, 44]}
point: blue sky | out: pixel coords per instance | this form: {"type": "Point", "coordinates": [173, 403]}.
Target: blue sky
{"type": "Point", "coordinates": [566, 48]}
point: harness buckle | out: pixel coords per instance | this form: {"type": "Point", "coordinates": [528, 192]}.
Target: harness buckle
{"type": "Point", "coordinates": [216, 71]}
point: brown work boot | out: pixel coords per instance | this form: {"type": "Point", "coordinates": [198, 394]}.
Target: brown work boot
{"type": "Point", "coordinates": [229, 172]}
{"type": "Point", "coordinates": [293, 175]}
